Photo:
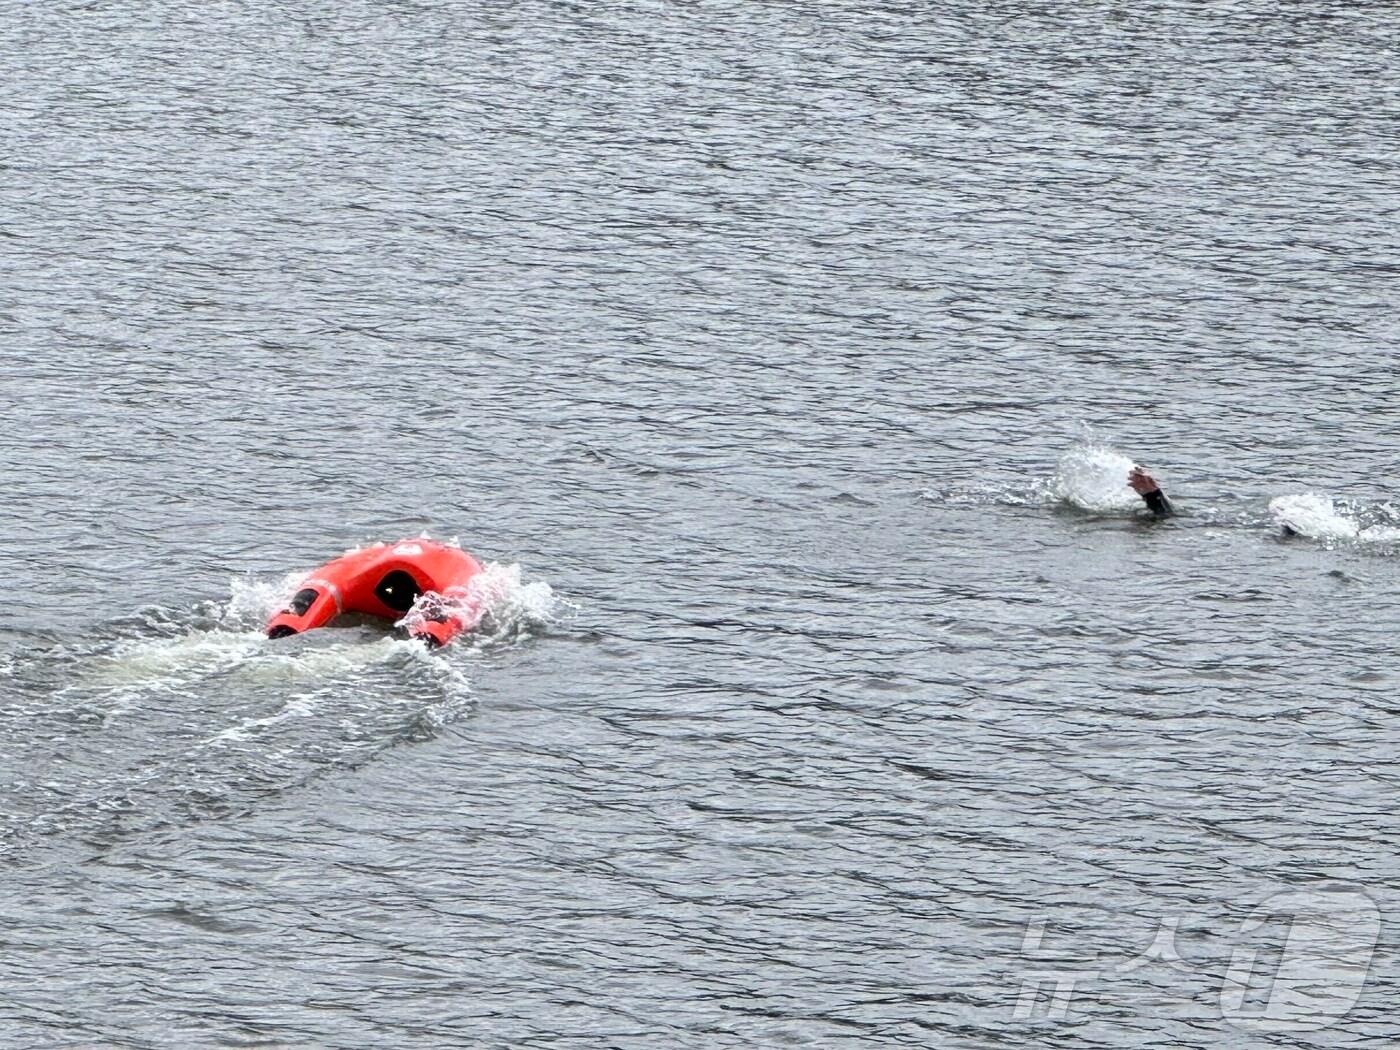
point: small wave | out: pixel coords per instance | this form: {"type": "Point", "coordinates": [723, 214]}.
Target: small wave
{"type": "Point", "coordinates": [321, 672]}
{"type": "Point", "coordinates": [1019, 494]}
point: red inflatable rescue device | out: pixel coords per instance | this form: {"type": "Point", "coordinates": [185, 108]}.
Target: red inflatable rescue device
{"type": "Point", "coordinates": [387, 580]}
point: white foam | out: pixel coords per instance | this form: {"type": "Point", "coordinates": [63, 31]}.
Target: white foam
{"type": "Point", "coordinates": [1018, 494]}
{"type": "Point", "coordinates": [202, 652]}
{"type": "Point", "coordinates": [323, 655]}
{"type": "Point", "coordinates": [300, 705]}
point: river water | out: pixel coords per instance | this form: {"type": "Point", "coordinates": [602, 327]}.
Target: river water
{"type": "Point", "coordinates": [785, 363]}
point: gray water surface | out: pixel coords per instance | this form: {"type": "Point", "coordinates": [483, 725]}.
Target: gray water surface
{"type": "Point", "coordinates": [750, 335]}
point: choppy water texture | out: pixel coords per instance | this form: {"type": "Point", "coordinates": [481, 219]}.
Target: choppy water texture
{"type": "Point", "coordinates": [840, 688]}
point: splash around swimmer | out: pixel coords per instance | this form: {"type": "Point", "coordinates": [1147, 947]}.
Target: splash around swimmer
{"type": "Point", "coordinates": [419, 584]}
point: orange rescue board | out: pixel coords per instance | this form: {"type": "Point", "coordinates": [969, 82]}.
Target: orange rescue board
{"type": "Point", "coordinates": [388, 580]}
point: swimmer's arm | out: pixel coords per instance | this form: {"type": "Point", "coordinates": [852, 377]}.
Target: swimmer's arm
{"type": "Point", "coordinates": [1146, 486]}
{"type": "Point", "coordinates": [1158, 503]}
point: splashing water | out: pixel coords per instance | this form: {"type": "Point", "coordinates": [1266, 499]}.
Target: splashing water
{"type": "Point", "coordinates": [1318, 517]}
{"type": "Point", "coordinates": [1094, 477]}
{"type": "Point", "coordinates": [1312, 515]}
{"type": "Point", "coordinates": [252, 601]}
{"type": "Point", "coordinates": [508, 608]}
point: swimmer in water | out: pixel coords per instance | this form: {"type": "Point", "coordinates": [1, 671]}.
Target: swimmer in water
{"type": "Point", "coordinates": [1146, 486]}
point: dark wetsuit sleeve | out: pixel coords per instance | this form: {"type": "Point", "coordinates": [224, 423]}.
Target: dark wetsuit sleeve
{"type": "Point", "coordinates": [1157, 503]}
